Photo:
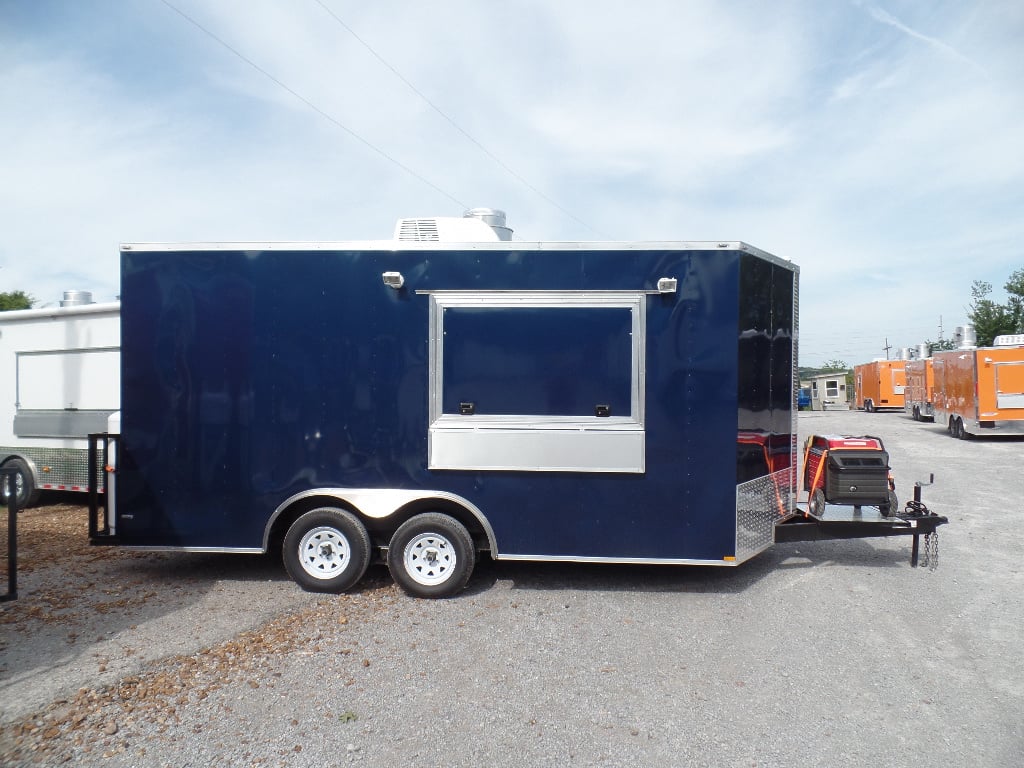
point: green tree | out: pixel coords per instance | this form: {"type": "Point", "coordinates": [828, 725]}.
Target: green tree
{"type": "Point", "coordinates": [835, 365]}
{"type": "Point", "coordinates": [938, 346]}
{"type": "Point", "coordinates": [15, 300]}
{"type": "Point", "coordinates": [991, 319]}
{"type": "Point", "coordinates": [1015, 290]}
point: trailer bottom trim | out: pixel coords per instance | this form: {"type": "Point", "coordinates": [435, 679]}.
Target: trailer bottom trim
{"type": "Point", "coordinates": [727, 561]}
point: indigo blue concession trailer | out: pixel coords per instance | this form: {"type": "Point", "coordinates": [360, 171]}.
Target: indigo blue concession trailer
{"type": "Point", "coordinates": [423, 400]}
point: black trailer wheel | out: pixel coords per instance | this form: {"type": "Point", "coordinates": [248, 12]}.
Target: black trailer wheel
{"type": "Point", "coordinates": [962, 432]}
{"type": "Point", "coordinates": [917, 413]}
{"type": "Point", "coordinates": [869, 406]}
{"type": "Point", "coordinates": [25, 492]}
{"type": "Point", "coordinates": [816, 503]}
{"type": "Point", "coordinates": [326, 550]}
{"type": "Point", "coordinates": [431, 555]}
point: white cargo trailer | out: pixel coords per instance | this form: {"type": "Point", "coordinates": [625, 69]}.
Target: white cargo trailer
{"type": "Point", "coordinates": [60, 378]}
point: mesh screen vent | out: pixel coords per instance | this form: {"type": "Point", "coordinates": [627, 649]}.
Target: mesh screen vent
{"type": "Point", "coordinates": [418, 230]}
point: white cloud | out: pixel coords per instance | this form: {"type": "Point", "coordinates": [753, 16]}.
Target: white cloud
{"type": "Point", "coordinates": [863, 142]}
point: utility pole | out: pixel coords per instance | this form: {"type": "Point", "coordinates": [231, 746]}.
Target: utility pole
{"type": "Point", "coordinates": [940, 327]}
{"type": "Point", "coordinates": [887, 347]}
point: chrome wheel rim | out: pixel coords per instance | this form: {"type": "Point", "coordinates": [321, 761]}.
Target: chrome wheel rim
{"type": "Point", "coordinates": [429, 559]}
{"type": "Point", "coordinates": [324, 552]}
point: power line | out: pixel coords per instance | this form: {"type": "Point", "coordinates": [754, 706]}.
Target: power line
{"type": "Point", "coordinates": [454, 124]}
{"type": "Point", "coordinates": [314, 107]}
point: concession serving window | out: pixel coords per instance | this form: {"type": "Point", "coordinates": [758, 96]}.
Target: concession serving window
{"type": "Point", "coordinates": [537, 380]}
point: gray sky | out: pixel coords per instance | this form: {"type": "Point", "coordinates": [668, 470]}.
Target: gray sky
{"type": "Point", "coordinates": [878, 145]}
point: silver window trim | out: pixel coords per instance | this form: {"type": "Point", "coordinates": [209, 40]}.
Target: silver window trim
{"type": "Point", "coordinates": [635, 301]}
{"type": "Point", "coordinates": [535, 442]}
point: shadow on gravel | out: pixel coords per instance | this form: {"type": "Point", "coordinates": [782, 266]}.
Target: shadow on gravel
{"type": "Point", "coordinates": [84, 613]}
{"type": "Point", "coordinates": [540, 576]}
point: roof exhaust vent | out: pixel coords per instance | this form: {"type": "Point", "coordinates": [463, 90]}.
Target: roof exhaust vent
{"type": "Point", "coordinates": [964, 337]}
{"type": "Point", "coordinates": [493, 218]}
{"type": "Point", "coordinates": [924, 351]}
{"type": "Point", "coordinates": [76, 298]}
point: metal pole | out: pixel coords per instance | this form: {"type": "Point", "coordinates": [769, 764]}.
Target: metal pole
{"type": "Point", "coordinates": [7, 480]}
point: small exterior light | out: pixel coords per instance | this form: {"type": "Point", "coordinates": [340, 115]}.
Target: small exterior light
{"type": "Point", "coordinates": [393, 280]}
{"type": "Point", "coordinates": [667, 284]}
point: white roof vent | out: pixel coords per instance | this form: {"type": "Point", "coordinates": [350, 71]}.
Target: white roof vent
{"type": "Point", "coordinates": [1009, 340]}
{"type": "Point", "coordinates": [477, 225]}
{"type": "Point", "coordinates": [76, 298]}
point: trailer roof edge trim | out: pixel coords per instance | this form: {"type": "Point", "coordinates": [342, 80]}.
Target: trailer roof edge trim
{"type": "Point", "coordinates": [402, 245]}
{"type": "Point", "coordinates": [40, 312]}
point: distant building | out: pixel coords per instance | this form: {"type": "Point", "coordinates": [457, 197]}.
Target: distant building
{"type": "Point", "coordinates": [828, 391]}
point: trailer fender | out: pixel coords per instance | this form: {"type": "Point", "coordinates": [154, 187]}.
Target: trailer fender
{"type": "Point", "coordinates": [381, 504]}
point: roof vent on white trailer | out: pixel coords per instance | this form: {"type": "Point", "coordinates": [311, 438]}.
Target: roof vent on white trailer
{"type": "Point", "coordinates": [1009, 340]}
{"type": "Point", "coordinates": [76, 298]}
{"type": "Point", "coordinates": [477, 225]}
{"type": "Point", "coordinates": [924, 351]}
{"type": "Point", "coordinates": [906, 353]}
{"type": "Point", "coordinates": [964, 337]}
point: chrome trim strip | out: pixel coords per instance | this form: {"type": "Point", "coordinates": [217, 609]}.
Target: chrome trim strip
{"type": "Point", "coordinates": [200, 550]}
{"type": "Point", "coordinates": [616, 560]}
{"type": "Point", "coordinates": [500, 291]}
{"type": "Point", "coordinates": [379, 503]}
{"type": "Point", "coordinates": [54, 423]}
{"type": "Point", "coordinates": [537, 450]}
{"type": "Point", "coordinates": [110, 307]}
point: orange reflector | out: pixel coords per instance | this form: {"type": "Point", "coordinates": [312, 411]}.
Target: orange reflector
{"type": "Point", "coordinates": [108, 468]}
{"type": "Point", "coordinates": [729, 558]}
{"type": "Point", "coordinates": [45, 469]}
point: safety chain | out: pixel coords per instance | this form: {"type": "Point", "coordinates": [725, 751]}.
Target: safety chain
{"type": "Point", "coordinates": [930, 556]}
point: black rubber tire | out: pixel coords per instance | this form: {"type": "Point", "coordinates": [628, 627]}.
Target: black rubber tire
{"type": "Point", "coordinates": [816, 503]}
{"type": "Point", "coordinates": [26, 493]}
{"type": "Point", "coordinates": [431, 555]}
{"type": "Point", "coordinates": [869, 406]}
{"type": "Point", "coordinates": [314, 550]}
{"type": "Point", "coordinates": [917, 413]}
{"type": "Point", "coordinates": [891, 507]}
{"type": "Point", "coordinates": [961, 432]}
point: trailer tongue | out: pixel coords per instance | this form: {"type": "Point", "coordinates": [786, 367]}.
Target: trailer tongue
{"type": "Point", "coordinates": [855, 523]}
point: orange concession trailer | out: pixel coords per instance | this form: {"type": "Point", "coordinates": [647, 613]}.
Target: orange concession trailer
{"type": "Point", "coordinates": [980, 391]}
{"type": "Point", "coordinates": [879, 385]}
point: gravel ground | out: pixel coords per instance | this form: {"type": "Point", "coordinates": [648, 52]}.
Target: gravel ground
{"type": "Point", "coordinates": [828, 653]}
